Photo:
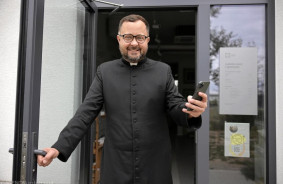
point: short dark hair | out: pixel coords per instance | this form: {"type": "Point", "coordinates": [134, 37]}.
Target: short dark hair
{"type": "Point", "coordinates": [133, 18]}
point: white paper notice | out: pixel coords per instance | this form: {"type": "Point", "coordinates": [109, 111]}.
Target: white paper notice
{"type": "Point", "coordinates": [237, 139]}
{"type": "Point", "coordinates": [238, 81]}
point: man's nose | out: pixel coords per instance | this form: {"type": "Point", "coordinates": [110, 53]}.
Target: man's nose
{"type": "Point", "coordinates": [134, 42]}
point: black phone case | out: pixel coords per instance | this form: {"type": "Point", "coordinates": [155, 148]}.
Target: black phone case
{"type": "Point", "coordinates": [201, 87]}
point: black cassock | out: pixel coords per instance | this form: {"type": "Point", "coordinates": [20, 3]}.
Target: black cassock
{"type": "Point", "coordinates": [137, 147]}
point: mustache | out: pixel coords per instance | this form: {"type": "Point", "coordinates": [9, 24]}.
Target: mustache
{"type": "Point", "coordinates": [133, 48]}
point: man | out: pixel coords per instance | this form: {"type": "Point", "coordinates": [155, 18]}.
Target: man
{"type": "Point", "coordinates": [137, 92]}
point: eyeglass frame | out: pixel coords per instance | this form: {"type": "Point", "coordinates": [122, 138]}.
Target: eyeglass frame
{"type": "Point", "coordinates": [134, 37]}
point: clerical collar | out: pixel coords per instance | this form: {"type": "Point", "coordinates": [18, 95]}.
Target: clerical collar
{"type": "Point", "coordinates": [134, 64]}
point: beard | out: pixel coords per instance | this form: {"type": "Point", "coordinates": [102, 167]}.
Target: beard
{"type": "Point", "coordinates": [132, 59]}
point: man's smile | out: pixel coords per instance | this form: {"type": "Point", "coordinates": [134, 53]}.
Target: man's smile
{"type": "Point", "coordinates": [134, 50]}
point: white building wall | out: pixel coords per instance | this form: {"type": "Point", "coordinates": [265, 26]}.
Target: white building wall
{"type": "Point", "coordinates": [9, 38]}
{"type": "Point", "coordinates": [279, 87]}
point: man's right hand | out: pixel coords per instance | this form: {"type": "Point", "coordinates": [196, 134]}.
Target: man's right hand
{"type": "Point", "coordinates": [51, 154]}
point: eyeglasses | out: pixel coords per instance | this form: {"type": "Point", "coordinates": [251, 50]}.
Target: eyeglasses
{"type": "Point", "coordinates": [128, 38]}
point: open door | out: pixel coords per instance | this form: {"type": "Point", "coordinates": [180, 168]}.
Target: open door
{"type": "Point", "coordinates": [55, 68]}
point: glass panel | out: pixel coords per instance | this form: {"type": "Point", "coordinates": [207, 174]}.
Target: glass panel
{"type": "Point", "coordinates": [9, 39]}
{"type": "Point", "coordinates": [61, 86]}
{"type": "Point", "coordinates": [238, 26]}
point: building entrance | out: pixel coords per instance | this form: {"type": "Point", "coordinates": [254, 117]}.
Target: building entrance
{"type": "Point", "coordinates": [171, 41]}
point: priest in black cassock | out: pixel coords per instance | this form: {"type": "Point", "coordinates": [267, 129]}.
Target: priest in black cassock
{"type": "Point", "coordinates": [136, 92]}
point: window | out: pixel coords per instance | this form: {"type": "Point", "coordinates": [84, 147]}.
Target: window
{"type": "Point", "coordinates": [237, 26]}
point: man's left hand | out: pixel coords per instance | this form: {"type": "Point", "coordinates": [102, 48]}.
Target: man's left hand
{"type": "Point", "coordinates": [197, 106]}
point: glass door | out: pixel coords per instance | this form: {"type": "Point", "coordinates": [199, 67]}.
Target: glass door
{"type": "Point", "coordinates": [61, 82]}
{"type": "Point", "coordinates": [55, 56]}
{"type": "Point", "coordinates": [237, 133]}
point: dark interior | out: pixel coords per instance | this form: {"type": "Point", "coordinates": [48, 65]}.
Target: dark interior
{"type": "Point", "coordinates": [172, 40]}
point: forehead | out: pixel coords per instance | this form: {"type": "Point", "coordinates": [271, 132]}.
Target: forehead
{"type": "Point", "coordinates": [134, 28]}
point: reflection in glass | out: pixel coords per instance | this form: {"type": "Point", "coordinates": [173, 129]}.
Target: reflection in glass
{"type": "Point", "coordinates": [237, 26]}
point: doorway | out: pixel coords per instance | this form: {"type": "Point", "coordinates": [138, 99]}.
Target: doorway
{"type": "Point", "coordinates": [171, 42]}
{"type": "Point", "coordinates": [29, 71]}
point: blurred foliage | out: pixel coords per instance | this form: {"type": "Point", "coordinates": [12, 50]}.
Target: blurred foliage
{"type": "Point", "coordinates": [220, 38]}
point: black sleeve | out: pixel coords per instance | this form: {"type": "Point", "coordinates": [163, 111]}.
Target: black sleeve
{"type": "Point", "coordinates": [176, 102]}
{"type": "Point", "coordinates": [72, 134]}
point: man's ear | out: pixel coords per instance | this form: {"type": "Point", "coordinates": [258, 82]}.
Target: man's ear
{"type": "Point", "coordinates": [118, 38]}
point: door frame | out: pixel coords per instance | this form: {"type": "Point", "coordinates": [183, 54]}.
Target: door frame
{"type": "Point", "coordinates": [89, 70]}
{"type": "Point", "coordinates": [202, 73]}
{"type": "Point", "coordinates": [29, 82]}
{"type": "Point", "coordinates": [28, 90]}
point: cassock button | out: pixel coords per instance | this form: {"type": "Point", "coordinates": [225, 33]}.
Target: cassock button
{"type": "Point", "coordinates": [134, 84]}
{"type": "Point", "coordinates": [134, 102]}
{"type": "Point", "coordinates": [134, 92]}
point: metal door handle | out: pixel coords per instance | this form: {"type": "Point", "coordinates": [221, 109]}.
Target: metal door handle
{"type": "Point", "coordinates": [11, 150]}
{"type": "Point", "coordinates": [40, 152]}
{"type": "Point", "coordinates": [37, 152]}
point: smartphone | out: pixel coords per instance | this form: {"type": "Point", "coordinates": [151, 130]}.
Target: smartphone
{"type": "Point", "coordinates": [201, 87]}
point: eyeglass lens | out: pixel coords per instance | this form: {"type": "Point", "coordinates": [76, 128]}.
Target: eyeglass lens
{"type": "Point", "coordinates": [129, 38]}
